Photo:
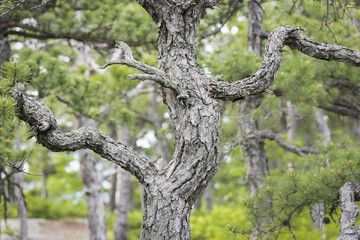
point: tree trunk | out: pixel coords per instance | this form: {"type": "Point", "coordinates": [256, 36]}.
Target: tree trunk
{"type": "Point", "coordinates": [18, 184]}
{"type": "Point", "coordinates": [318, 210]}
{"type": "Point", "coordinates": [193, 101]}
{"type": "Point", "coordinates": [251, 145]}
{"type": "Point", "coordinates": [355, 131]}
{"type": "Point", "coordinates": [21, 204]}
{"type": "Point", "coordinates": [292, 122]}
{"type": "Point", "coordinates": [43, 188]}
{"type": "Point", "coordinates": [92, 182]}
{"type": "Point", "coordinates": [166, 215]}
{"type": "Point", "coordinates": [348, 194]}
{"type": "Point", "coordinates": [94, 195]}
{"type": "Point", "coordinates": [5, 50]}
{"type": "Point", "coordinates": [112, 202]}
{"type": "Point", "coordinates": [162, 148]}
{"type": "Point", "coordinates": [208, 197]}
{"type": "Point", "coordinates": [121, 222]}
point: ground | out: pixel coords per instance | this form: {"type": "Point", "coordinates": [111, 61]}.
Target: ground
{"type": "Point", "coordinates": [41, 229]}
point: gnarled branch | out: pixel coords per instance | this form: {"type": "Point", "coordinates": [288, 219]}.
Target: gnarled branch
{"type": "Point", "coordinates": [37, 115]}
{"type": "Point", "coordinates": [263, 78]}
{"type": "Point", "coordinates": [287, 146]}
{"type": "Point", "coordinates": [150, 73]}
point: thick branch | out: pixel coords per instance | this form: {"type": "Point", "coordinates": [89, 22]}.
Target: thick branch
{"type": "Point", "coordinates": [42, 120]}
{"type": "Point", "coordinates": [287, 146]}
{"type": "Point", "coordinates": [348, 194]}
{"type": "Point", "coordinates": [263, 78]}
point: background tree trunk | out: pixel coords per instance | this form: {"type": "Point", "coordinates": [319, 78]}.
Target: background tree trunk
{"type": "Point", "coordinates": [92, 181]}
{"type": "Point", "coordinates": [18, 179]}
{"type": "Point", "coordinates": [94, 195]}
{"type": "Point", "coordinates": [251, 145]}
{"type": "Point", "coordinates": [318, 210]}
{"type": "Point", "coordinates": [123, 205]}
{"type": "Point", "coordinates": [5, 50]}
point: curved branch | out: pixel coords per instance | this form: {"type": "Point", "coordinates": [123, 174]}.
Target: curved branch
{"type": "Point", "coordinates": [263, 78]}
{"type": "Point", "coordinates": [287, 146]}
{"type": "Point", "coordinates": [150, 73]}
{"type": "Point", "coordinates": [43, 122]}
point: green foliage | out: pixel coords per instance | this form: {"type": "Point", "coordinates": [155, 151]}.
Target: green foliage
{"type": "Point", "coordinates": [11, 73]}
{"type": "Point", "coordinates": [293, 189]}
{"type": "Point", "coordinates": [134, 224]}
{"type": "Point", "coordinates": [54, 209]}
{"type": "Point", "coordinates": [15, 72]}
{"type": "Point", "coordinates": [8, 111]}
{"type": "Point", "coordinates": [218, 224]}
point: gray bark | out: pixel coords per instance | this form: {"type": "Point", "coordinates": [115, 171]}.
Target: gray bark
{"type": "Point", "coordinates": [208, 197]}
{"type": "Point", "coordinates": [207, 194]}
{"type": "Point", "coordinates": [18, 179]}
{"type": "Point", "coordinates": [92, 181]}
{"type": "Point", "coordinates": [192, 100]}
{"type": "Point", "coordinates": [356, 129]}
{"type": "Point", "coordinates": [251, 145]}
{"type": "Point", "coordinates": [318, 210]}
{"type": "Point", "coordinates": [348, 194]}
{"type": "Point", "coordinates": [162, 148]}
{"type": "Point", "coordinates": [321, 123]}
{"type": "Point", "coordinates": [5, 50]}
{"type": "Point", "coordinates": [123, 205]}
{"type": "Point", "coordinates": [112, 202]}
{"type": "Point", "coordinates": [43, 188]}
{"type": "Point", "coordinates": [94, 195]}
{"type": "Point", "coordinates": [292, 123]}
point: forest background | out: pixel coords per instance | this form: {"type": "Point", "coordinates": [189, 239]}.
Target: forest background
{"type": "Point", "coordinates": [308, 124]}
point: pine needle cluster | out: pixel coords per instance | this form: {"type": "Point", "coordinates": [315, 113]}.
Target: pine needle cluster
{"type": "Point", "coordinates": [11, 73]}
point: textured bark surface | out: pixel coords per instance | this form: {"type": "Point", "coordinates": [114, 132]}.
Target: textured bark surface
{"type": "Point", "coordinates": [349, 193]}
{"type": "Point", "coordinates": [94, 195]}
{"type": "Point", "coordinates": [123, 205]}
{"type": "Point", "coordinates": [192, 100]}
{"type": "Point", "coordinates": [252, 145]}
{"type": "Point", "coordinates": [92, 184]}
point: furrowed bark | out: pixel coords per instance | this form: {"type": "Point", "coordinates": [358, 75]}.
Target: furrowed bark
{"type": "Point", "coordinates": [263, 78]}
{"type": "Point", "coordinates": [192, 101]}
{"type": "Point", "coordinates": [38, 116]}
{"type": "Point", "coordinates": [348, 194]}
{"type": "Point", "coordinates": [196, 122]}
